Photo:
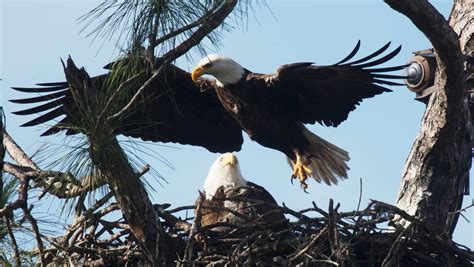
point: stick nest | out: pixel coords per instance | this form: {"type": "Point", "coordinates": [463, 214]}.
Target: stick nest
{"type": "Point", "coordinates": [313, 236]}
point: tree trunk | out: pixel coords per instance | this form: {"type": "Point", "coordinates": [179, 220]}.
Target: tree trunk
{"type": "Point", "coordinates": [438, 165]}
{"type": "Point", "coordinates": [134, 202]}
{"type": "Point", "coordinates": [112, 163]}
{"type": "Point", "coordinates": [461, 20]}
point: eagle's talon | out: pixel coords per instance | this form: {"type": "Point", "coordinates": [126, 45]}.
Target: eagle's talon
{"type": "Point", "coordinates": [302, 172]}
{"type": "Point", "coordinates": [304, 186]}
{"type": "Point", "coordinates": [293, 177]}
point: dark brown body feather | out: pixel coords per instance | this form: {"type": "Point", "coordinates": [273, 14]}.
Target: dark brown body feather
{"type": "Point", "coordinates": [253, 202]}
{"type": "Point", "coordinates": [250, 102]}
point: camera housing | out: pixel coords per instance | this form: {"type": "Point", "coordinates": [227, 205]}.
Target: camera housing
{"type": "Point", "coordinates": [420, 74]}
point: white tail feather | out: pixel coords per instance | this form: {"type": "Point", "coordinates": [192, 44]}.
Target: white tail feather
{"type": "Point", "coordinates": [328, 162]}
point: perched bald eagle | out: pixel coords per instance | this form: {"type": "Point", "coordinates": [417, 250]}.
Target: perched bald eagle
{"type": "Point", "coordinates": [271, 108]}
{"type": "Point", "coordinates": [226, 189]}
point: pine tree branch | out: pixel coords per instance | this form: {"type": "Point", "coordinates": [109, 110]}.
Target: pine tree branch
{"type": "Point", "coordinates": [20, 201]}
{"type": "Point", "coordinates": [209, 24]}
{"type": "Point", "coordinates": [34, 227]}
{"type": "Point", "coordinates": [16, 251]}
{"type": "Point", "coordinates": [16, 153]}
{"type": "Point", "coordinates": [58, 184]}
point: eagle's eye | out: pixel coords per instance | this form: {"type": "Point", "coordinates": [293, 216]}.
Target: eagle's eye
{"type": "Point", "coordinates": [207, 65]}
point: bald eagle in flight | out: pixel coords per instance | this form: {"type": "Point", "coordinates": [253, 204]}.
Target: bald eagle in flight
{"type": "Point", "coordinates": [226, 189]}
{"type": "Point", "coordinates": [272, 109]}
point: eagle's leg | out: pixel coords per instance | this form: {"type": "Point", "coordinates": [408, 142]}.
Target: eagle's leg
{"type": "Point", "coordinates": [301, 171]}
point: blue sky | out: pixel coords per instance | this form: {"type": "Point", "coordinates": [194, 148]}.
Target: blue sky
{"type": "Point", "coordinates": [378, 134]}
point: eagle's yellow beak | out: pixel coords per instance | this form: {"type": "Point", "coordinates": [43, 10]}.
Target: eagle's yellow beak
{"type": "Point", "coordinates": [197, 72]}
{"type": "Point", "coordinates": [230, 159]}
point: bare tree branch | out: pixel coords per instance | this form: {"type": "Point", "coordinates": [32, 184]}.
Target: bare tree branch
{"type": "Point", "coordinates": [309, 245]}
{"type": "Point", "coordinates": [34, 226]}
{"type": "Point", "coordinates": [13, 240]}
{"type": "Point", "coordinates": [59, 184]}
{"type": "Point", "coordinates": [189, 250]}
{"type": "Point", "coordinates": [16, 153]}
{"type": "Point", "coordinates": [20, 201]}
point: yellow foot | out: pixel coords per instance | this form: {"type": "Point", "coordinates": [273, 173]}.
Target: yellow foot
{"type": "Point", "coordinates": [301, 171]}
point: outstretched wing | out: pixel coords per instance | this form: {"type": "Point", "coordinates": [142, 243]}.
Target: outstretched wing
{"type": "Point", "coordinates": [326, 94]}
{"type": "Point", "coordinates": [177, 111]}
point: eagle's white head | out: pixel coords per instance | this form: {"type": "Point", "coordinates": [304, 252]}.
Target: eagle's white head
{"type": "Point", "coordinates": [225, 171]}
{"type": "Point", "coordinates": [225, 70]}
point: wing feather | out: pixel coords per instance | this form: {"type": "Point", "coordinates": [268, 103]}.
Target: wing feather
{"type": "Point", "coordinates": [380, 60]}
{"type": "Point", "coordinates": [326, 94]}
{"type": "Point", "coordinates": [50, 87]}
{"type": "Point", "coordinates": [351, 54]}
{"type": "Point", "coordinates": [38, 98]}
{"type": "Point", "coordinates": [41, 108]}
{"type": "Point", "coordinates": [45, 117]}
{"type": "Point", "coordinates": [369, 57]}
{"type": "Point", "coordinates": [388, 69]}
{"type": "Point", "coordinates": [177, 111]}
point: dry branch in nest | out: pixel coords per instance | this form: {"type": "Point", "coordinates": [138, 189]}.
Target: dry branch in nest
{"type": "Point", "coordinates": [308, 237]}
{"type": "Point", "coordinates": [315, 236]}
